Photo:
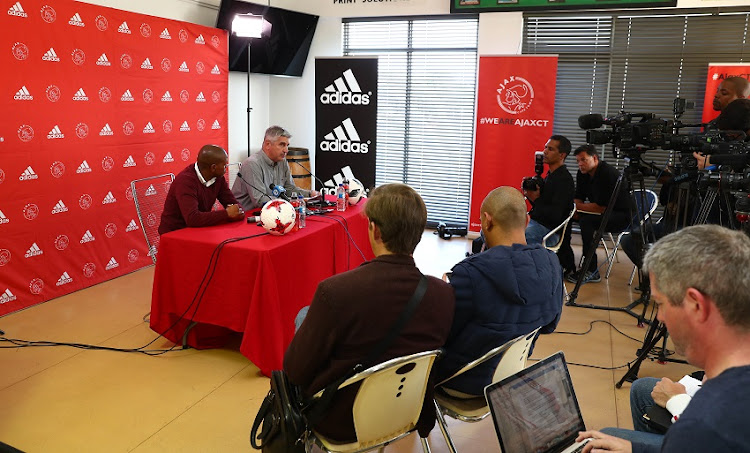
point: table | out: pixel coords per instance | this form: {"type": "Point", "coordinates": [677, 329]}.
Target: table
{"type": "Point", "coordinates": [255, 287]}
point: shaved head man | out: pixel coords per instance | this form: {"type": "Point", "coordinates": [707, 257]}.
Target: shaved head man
{"type": "Point", "coordinates": [730, 89]}
{"type": "Point", "coordinates": [506, 291]}
{"type": "Point", "coordinates": [194, 191]}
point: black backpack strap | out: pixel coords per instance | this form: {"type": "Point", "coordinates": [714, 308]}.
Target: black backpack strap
{"type": "Point", "coordinates": [321, 405]}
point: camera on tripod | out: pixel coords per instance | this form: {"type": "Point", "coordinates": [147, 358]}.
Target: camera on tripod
{"type": "Point", "coordinates": [536, 182]}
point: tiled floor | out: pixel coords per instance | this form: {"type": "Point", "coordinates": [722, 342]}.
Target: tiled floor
{"type": "Point", "coordinates": [60, 399]}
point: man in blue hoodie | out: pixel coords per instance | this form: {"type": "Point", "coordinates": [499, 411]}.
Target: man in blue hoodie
{"type": "Point", "coordinates": [504, 292]}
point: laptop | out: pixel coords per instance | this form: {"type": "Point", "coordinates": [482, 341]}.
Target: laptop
{"type": "Point", "coordinates": [536, 410]}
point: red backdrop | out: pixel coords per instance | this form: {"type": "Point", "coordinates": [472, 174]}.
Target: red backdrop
{"type": "Point", "coordinates": [515, 109]}
{"type": "Point", "coordinates": [92, 98]}
{"type": "Point", "coordinates": [717, 72]}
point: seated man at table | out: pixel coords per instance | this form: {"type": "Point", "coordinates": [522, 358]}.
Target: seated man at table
{"type": "Point", "coordinates": [352, 311]}
{"type": "Point", "coordinates": [595, 183]}
{"type": "Point", "coordinates": [504, 292]}
{"type": "Point", "coordinates": [266, 168]}
{"type": "Point", "coordinates": [195, 190]}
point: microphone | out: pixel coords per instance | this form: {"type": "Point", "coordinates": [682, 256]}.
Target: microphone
{"type": "Point", "coordinates": [279, 192]}
{"type": "Point", "coordinates": [262, 192]}
{"type": "Point", "coordinates": [311, 174]}
{"type": "Point", "coordinates": [253, 219]}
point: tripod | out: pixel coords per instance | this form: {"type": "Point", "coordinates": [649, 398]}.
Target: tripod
{"type": "Point", "coordinates": [657, 331]}
{"type": "Point", "coordinates": [631, 174]}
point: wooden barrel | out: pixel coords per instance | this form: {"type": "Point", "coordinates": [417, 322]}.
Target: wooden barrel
{"type": "Point", "coordinates": [300, 176]}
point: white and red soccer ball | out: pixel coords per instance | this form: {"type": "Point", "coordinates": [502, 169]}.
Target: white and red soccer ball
{"type": "Point", "coordinates": [278, 217]}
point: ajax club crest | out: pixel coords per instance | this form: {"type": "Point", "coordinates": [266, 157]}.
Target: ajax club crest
{"type": "Point", "coordinates": [515, 95]}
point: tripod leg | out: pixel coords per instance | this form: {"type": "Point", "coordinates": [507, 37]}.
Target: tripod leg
{"type": "Point", "coordinates": [654, 334]}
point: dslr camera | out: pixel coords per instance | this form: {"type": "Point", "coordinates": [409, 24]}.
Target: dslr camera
{"type": "Point", "coordinates": [535, 182]}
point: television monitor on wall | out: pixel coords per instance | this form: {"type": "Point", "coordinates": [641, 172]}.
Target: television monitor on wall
{"type": "Point", "coordinates": [281, 51]}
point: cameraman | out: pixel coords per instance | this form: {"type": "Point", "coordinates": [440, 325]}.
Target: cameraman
{"type": "Point", "coordinates": [551, 203]}
{"type": "Point", "coordinates": [596, 182]}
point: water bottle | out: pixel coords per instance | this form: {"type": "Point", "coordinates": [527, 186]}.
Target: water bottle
{"type": "Point", "coordinates": [340, 198]}
{"type": "Point", "coordinates": [301, 214]}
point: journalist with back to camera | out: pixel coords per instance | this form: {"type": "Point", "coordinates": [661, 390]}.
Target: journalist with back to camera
{"type": "Point", "coordinates": [265, 168]}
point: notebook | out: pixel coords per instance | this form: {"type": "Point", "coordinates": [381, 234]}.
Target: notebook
{"type": "Point", "coordinates": [536, 410]}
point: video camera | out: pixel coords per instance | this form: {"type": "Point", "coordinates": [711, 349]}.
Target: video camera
{"type": "Point", "coordinates": [535, 182]}
{"type": "Point", "coordinates": [444, 232]}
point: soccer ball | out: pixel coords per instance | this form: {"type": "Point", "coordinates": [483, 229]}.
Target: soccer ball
{"type": "Point", "coordinates": [277, 217]}
{"type": "Point", "coordinates": [356, 191]}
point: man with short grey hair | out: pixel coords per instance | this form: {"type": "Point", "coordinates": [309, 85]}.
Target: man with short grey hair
{"type": "Point", "coordinates": [701, 287]}
{"type": "Point", "coordinates": [264, 169]}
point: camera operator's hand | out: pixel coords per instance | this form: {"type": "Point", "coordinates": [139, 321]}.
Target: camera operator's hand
{"type": "Point", "coordinates": [703, 161]}
{"type": "Point", "coordinates": [532, 195]}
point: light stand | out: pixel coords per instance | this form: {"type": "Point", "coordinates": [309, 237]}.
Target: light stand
{"type": "Point", "coordinates": [249, 26]}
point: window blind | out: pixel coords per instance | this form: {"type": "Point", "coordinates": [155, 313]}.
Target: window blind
{"type": "Point", "coordinates": [427, 71]}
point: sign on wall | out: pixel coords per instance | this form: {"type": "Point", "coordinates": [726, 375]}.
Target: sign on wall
{"type": "Point", "coordinates": [515, 110]}
{"type": "Point", "coordinates": [346, 112]}
{"type": "Point", "coordinates": [92, 98]}
{"type": "Point", "coordinates": [717, 73]}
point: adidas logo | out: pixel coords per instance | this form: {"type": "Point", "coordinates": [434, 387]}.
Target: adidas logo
{"type": "Point", "coordinates": [64, 279]}
{"type": "Point", "coordinates": [200, 40]}
{"type": "Point", "coordinates": [147, 64]}
{"type": "Point", "coordinates": [109, 199]}
{"type": "Point", "coordinates": [103, 60]}
{"type": "Point", "coordinates": [55, 133]}
{"type": "Point", "coordinates": [87, 237]}
{"type": "Point", "coordinates": [344, 139]}
{"type": "Point", "coordinates": [200, 97]}
{"type": "Point", "coordinates": [3, 219]}
{"type": "Point", "coordinates": [127, 97]}
{"type": "Point", "coordinates": [23, 95]}
{"type": "Point", "coordinates": [76, 20]}
{"type": "Point", "coordinates": [345, 90]}
{"type": "Point", "coordinates": [184, 67]}
{"type": "Point", "coordinates": [123, 28]}
{"type": "Point", "coordinates": [216, 70]}
{"type": "Point", "coordinates": [216, 125]}
{"type": "Point", "coordinates": [185, 127]}
{"type": "Point", "coordinates": [129, 162]}
{"type": "Point", "coordinates": [106, 130]}
{"type": "Point", "coordinates": [80, 95]}
{"type": "Point", "coordinates": [28, 174]}
{"type": "Point", "coordinates": [167, 97]}
{"type": "Point", "coordinates": [34, 250]}
{"type": "Point", "coordinates": [165, 34]}
{"type": "Point", "coordinates": [59, 207]}
{"type": "Point", "coordinates": [112, 264]}
{"type": "Point", "coordinates": [168, 158]}
{"type": "Point", "coordinates": [84, 167]}
{"type": "Point", "coordinates": [149, 129]}
{"type": "Point", "coordinates": [132, 226]}
{"type": "Point", "coordinates": [17, 10]}
{"type": "Point", "coordinates": [50, 55]}
{"type": "Point", "coordinates": [6, 297]}
{"type": "Point", "coordinates": [150, 191]}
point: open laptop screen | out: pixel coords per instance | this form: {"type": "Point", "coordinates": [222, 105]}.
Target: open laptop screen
{"type": "Point", "coordinates": [536, 409]}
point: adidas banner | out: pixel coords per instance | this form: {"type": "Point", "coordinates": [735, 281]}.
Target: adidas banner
{"type": "Point", "coordinates": [93, 98]}
{"type": "Point", "coordinates": [717, 73]}
{"type": "Point", "coordinates": [515, 110]}
{"type": "Point", "coordinates": [346, 119]}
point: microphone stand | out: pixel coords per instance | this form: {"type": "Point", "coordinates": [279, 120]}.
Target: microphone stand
{"type": "Point", "coordinates": [322, 197]}
{"type": "Point", "coordinates": [262, 192]}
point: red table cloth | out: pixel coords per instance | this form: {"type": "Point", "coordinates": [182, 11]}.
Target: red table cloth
{"type": "Point", "coordinates": [254, 286]}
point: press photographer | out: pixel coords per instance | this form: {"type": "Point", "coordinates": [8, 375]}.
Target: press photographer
{"type": "Point", "coordinates": [552, 200]}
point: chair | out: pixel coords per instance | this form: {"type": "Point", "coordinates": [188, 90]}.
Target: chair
{"type": "Point", "coordinates": [645, 202]}
{"type": "Point", "coordinates": [515, 352]}
{"type": "Point", "coordinates": [560, 228]}
{"type": "Point", "coordinates": [387, 405]}
{"type": "Point", "coordinates": [230, 173]}
{"type": "Point", "coordinates": [149, 195]}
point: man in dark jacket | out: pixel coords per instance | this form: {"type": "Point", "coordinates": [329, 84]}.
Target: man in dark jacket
{"type": "Point", "coordinates": [504, 292]}
{"type": "Point", "coordinates": [551, 204]}
{"type": "Point", "coordinates": [351, 312]}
